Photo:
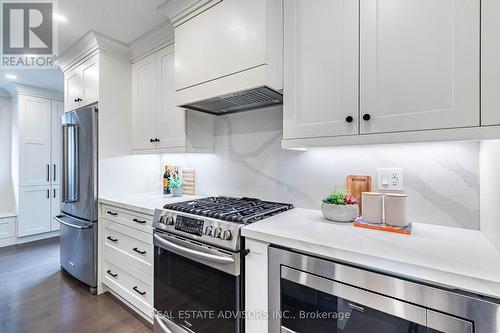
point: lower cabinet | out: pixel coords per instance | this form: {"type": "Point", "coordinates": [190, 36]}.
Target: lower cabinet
{"type": "Point", "coordinates": [7, 230]}
{"type": "Point", "coordinates": [126, 265]}
{"type": "Point", "coordinates": [37, 207]}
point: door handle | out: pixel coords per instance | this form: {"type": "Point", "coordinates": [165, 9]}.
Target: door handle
{"type": "Point", "coordinates": [48, 193]}
{"type": "Point", "coordinates": [54, 193]}
{"type": "Point", "coordinates": [139, 251]}
{"type": "Point", "coordinates": [110, 273]}
{"type": "Point", "coordinates": [48, 172]}
{"type": "Point", "coordinates": [111, 213]}
{"type": "Point", "coordinates": [114, 240]}
{"type": "Point", "coordinates": [139, 221]}
{"type": "Point", "coordinates": [54, 172]}
{"type": "Point", "coordinates": [138, 291]}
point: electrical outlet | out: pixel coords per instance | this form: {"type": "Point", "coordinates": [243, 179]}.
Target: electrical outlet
{"type": "Point", "coordinates": [390, 179]}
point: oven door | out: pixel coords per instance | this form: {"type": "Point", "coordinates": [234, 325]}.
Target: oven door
{"type": "Point", "coordinates": [197, 287]}
{"type": "Point", "coordinates": [310, 303]}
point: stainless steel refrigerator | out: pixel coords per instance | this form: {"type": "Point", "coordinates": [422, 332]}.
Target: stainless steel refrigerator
{"type": "Point", "coordinates": [78, 218]}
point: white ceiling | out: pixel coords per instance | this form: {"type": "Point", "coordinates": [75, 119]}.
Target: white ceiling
{"type": "Point", "coordinates": [44, 78]}
{"type": "Point", "coordinates": [123, 20]}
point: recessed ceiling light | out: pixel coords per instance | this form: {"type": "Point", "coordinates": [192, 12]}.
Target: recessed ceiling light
{"type": "Point", "coordinates": [59, 18]}
{"type": "Point", "coordinates": [10, 76]}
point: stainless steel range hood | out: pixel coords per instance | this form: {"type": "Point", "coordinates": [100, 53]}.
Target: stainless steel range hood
{"type": "Point", "coordinates": [239, 101]}
{"type": "Point", "coordinates": [228, 55]}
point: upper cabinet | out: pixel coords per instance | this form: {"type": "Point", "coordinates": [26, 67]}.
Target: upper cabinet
{"type": "Point", "coordinates": [419, 64]}
{"type": "Point", "coordinates": [383, 71]}
{"type": "Point", "coordinates": [81, 84]}
{"type": "Point", "coordinates": [158, 125]}
{"type": "Point", "coordinates": [321, 68]}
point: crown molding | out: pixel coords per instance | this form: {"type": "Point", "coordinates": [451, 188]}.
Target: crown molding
{"type": "Point", "coordinates": [92, 42]}
{"type": "Point", "coordinates": [178, 11]}
{"type": "Point", "coordinates": [151, 41]}
{"type": "Point", "coordinates": [15, 89]}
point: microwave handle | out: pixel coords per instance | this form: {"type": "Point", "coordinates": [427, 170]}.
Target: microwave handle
{"type": "Point", "coordinates": [198, 254]}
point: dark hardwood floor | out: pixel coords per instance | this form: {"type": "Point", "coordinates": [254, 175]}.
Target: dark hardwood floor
{"type": "Point", "coordinates": [36, 296]}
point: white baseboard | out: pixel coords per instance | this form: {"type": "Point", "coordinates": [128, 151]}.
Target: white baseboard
{"type": "Point", "coordinates": [8, 241]}
{"type": "Point", "coordinates": [27, 239]}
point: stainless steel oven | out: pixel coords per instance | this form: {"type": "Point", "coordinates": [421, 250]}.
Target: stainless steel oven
{"type": "Point", "coordinates": [313, 295]}
{"type": "Point", "coordinates": [197, 286]}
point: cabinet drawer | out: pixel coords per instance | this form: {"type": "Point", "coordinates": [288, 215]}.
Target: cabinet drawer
{"type": "Point", "coordinates": [129, 218]}
{"type": "Point", "coordinates": [132, 246]}
{"type": "Point", "coordinates": [128, 282]}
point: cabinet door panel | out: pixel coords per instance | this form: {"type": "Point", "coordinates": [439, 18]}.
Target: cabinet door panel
{"type": "Point", "coordinates": [90, 81]}
{"type": "Point", "coordinates": [56, 132]}
{"type": "Point", "coordinates": [490, 62]}
{"type": "Point", "coordinates": [72, 89]}
{"type": "Point", "coordinates": [55, 207]}
{"type": "Point", "coordinates": [171, 120]}
{"type": "Point", "coordinates": [144, 102]}
{"type": "Point", "coordinates": [35, 137]}
{"type": "Point", "coordinates": [419, 64]}
{"type": "Point", "coordinates": [34, 210]}
{"type": "Point", "coordinates": [320, 68]}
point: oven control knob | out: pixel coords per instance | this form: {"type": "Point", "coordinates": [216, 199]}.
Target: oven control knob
{"type": "Point", "coordinates": [217, 232]}
{"type": "Point", "coordinates": [226, 235]}
{"type": "Point", "coordinates": [170, 220]}
{"type": "Point", "coordinates": [209, 230]}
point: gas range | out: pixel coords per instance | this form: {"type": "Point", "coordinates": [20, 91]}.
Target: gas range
{"type": "Point", "coordinates": [215, 220]}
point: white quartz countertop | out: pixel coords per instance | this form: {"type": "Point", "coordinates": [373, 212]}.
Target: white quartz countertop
{"type": "Point", "coordinates": [449, 257]}
{"type": "Point", "coordinates": [144, 202]}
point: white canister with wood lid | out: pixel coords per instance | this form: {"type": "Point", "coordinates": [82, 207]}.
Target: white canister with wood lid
{"type": "Point", "coordinates": [396, 209]}
{"type": "Point", "coordinates": [373, 207]}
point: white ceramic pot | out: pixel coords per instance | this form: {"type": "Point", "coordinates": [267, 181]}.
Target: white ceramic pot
{"type": "Point", "coordinates": [177, 192]}
{"type": "Point", "coordinates": [396, 209]}
{"type": "Point", "coordinates": [372, 207]}
{"type": "Point", "coordinates": [339, 213]}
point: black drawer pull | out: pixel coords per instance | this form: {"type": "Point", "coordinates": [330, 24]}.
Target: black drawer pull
{"type": "Point", "coordinates": [139, 292]}
{"type": "Point", "coordinates": [139, 221]}
{"type": "Point", "coordinates": [139, 251]}
{"type": "Point", "coordinates": [111, 213]}
{"type": "Point", "coordinates": [112, 239]}
{"type": "Point", "coordinates": [113, 275]}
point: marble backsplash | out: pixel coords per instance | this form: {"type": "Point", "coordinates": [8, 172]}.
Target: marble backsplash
{"type": "Point", "coordinates": [441, 179]}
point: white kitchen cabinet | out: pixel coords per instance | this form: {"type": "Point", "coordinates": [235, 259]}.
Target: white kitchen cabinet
{"type": "Point", "coordinates": [490, 62]}
{"type": "Point", "coordinates": [56, 148]}
{"type": "Point", "coordinates": [7, 230]}
{"type": "Point", "coordinates": [81, 84]}
{"type": "Point", "coordinates": [33, 210]}
{"type": "Point", "coordinates": [144, 102]}
{"type": "Point", "coordinates": [320, 68]}
{"type": "Point", "coordinates": [34, 140]}
{"type": "Point", "coordinates": [55, 207]}
{"type": "Point", "coordinates": [158, 125]}
{"type": "Point", "coordinates": [419, 64]}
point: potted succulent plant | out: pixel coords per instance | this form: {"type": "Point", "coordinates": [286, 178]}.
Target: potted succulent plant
{"type": "Point", "coordinates": [175, 183]}
{"type": "Point", "coordinates": [340, 206]}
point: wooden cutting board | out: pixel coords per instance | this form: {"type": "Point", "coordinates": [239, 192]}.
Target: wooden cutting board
{"type": "Point", "coordinates": [356, 185]}
{"type": "Point", "coordinates": [188, 175]}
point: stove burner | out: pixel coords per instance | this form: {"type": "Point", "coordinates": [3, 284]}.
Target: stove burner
{"type": "Point", "coordinates": [238, 210]}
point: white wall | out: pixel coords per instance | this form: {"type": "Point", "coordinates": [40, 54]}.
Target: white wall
{"type": "Point", "coordinates": [489, 158]}
{"type": "Point", "coordinates": [442, 179]}
{"type": "Point", "coordinates": [6, 192]}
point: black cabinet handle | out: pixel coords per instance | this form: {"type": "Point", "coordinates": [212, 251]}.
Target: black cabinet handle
{"type": "Point", "coordinates": [54, 172]}
{"type": "Point", "coordinates": [48, 172]}
{"type": "Point", "coordinates": [157, 140]}
{"type": "Point", "coordinates": [112, 213]}
{"type": "Point", "coordinates": [54, 193]}
{"type": "Point", "coordinates": [139, 221]}
{"type": "Point", "coordinates": [349, 119]}
{"type": "Point", "coordinates": [366, 117]}
{"type": "Point", "coordinates": [78, 99]}
{"type": "Point", "coordinates": [139, 251]}
{"type": "Point", "coordinates": [138, 291]}
{"type": "Point", "coordinates": [112, 239]}
{"type": "Point", "coordinates": [113, 275]}
{"type": "Point", "coordinates": [151, 140]}
{"type": "Point", "coordinates": [48, 194]}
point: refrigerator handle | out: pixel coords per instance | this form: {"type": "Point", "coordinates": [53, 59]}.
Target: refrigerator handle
{"type": "Point", "coordinates": [70, 164]}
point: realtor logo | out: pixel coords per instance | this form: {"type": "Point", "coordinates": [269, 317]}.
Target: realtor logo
{"type": "Point", "coordinates": [27, 28]}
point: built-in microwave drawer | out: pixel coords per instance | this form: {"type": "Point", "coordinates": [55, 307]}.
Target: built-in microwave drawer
{"type": "Point", "coordinates": [128, 282]}
{"type": "Point", "coordinates": [130, 245]}
{"type": "Point", "coordinates": [129, 218]}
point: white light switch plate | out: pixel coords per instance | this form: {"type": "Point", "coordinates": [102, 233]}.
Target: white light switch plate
{"type": "Point", "coordinates": [390, 179]}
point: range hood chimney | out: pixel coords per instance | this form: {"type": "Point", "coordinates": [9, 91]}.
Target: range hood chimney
{"type": "Point", "coordinates": [228, 54]}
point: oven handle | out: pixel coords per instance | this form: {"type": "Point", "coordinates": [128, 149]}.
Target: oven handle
{"type": "Point", "coordinates": [162, 324]}
{"type": "Point", "coordinates": [207, 256]}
